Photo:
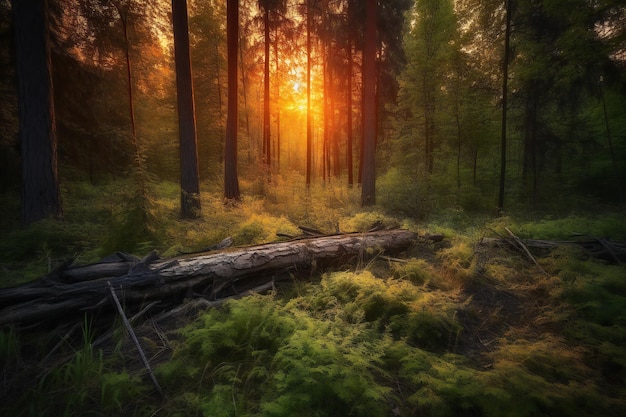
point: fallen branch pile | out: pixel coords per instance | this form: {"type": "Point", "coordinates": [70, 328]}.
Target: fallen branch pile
{"type": "Point", "coordinates": [611, 251]}
{"type": "Point", "coordinates": [73, 289]}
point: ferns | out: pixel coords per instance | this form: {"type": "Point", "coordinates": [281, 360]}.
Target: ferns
{"type": "Point", "coordinates": [399, 339]}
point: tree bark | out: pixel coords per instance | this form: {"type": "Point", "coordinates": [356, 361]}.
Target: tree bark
{"type": "Point", "coordinates": [309, 128]}
{"type": "Point", "coordinates": [189, 174]}
{"type": "Point", "coordinates": [368, 190]}
{"type": "Point", "coordinates": [231, 179]}
{"type": "Point", "coordinates": [349, 139]}
{"type": "Point", "coordinates": [505, 81]}
{"type": "Point", "coordinates": [210, 275]}
{"type": "Point", "coordinates": [40, 182]}
{"type": "Point", "coordinates": [267, 146]}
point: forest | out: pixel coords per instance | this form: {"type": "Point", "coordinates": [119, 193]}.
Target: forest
{"type": "Point", "coordinates": [313, 207]}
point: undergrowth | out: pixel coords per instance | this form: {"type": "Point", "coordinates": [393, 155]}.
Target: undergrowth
{"type": "Point", "coordinates": [454, 329]}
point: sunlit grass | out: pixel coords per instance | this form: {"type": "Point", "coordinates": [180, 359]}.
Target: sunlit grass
{"type": "Point", "coordinates": [376, 338]}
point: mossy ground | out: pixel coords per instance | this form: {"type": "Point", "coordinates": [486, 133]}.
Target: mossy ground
{"type": "Point", "coordinates": [456, 328]}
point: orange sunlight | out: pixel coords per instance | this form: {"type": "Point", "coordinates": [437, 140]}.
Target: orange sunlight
{"type": "Point", "coordinates": [294, 92]}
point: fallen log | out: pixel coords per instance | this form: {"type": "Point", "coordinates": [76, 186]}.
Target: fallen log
{"type": "Point", "coordinates": [78, 289]}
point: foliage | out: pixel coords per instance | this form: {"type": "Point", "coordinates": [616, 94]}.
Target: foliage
{"type": "Point", "coordinates": [457, 329]}
{"type": "Point", "coordinates": [82, 383]}
{"type": "Point", "coordinates": [385, 338]}
{"type": "Point", "coordinates": [355, 343]}
{"type": "Point", "coordinates": [9, 347]}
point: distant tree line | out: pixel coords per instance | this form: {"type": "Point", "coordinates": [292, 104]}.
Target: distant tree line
{"type": "Point", "coordinates": [563, 130]}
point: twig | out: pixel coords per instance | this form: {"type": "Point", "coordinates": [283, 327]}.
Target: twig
{"type": "Point", "coordinates": [203, 303]}
{"type": "Point", "coordinates": [526, 251]}
{"type": "Point", "coordinates": [63, 340]}
{"type": "Point", "coordinates": [398, 260]}
{"type": "Point", "coordinates": [310, 231]}
{"type": "Point", "coordinates": [131, 332]}
{"type": "Point", "coordinates": [608, 249]}
{"type": "Point", "coordinates": [225, 243]}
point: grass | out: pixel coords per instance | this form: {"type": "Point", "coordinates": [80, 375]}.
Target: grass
{"type": "Point", "coordinates": [455, 329]}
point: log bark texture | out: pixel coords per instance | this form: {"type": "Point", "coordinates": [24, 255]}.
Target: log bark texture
{"type": "Point", "coordinates": [76, 289]}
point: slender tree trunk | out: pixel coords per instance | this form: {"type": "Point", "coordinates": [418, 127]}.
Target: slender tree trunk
{"type": "Point", "coordinates": [349, 137]}
{"type": "Point", "coordinates": [334, 129]}
{"type": "Point", "coordinates": [505, 80]}
{"type": "Point", "coordinates": [231, 180]}
{"type": "Point", "coordinates": [326, 151]}
{"type": "Point", "coordinates": [40, 182]}
{"type": "Point", "coordinates": [530, 143]}
{"type": "Point", "coordinates": [266, 92]}
{"type": "Point", "coordinates": [277, 150]}
{"type": "Point", "coordinates": [220, 102]}
{"type": "Point", "coordinates": [429, 121]}
{"type": "Point", "coordinates": [309, 130]}
{"type": "Point", "coordinates": [616, 170]}
{"type": "Point", "coordinates": [189, 177]}
{"type": "Point", "coordinates": [368, 190]}
{"type": "Point", "coordinates": [138, 161]}
{"type": "Point", "coordinates": [244, 85]}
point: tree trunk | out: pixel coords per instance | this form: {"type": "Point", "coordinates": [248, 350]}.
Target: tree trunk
{"type": "Point", "coordinates": [277, 99]}
{"type": "Point", "coordinates": [267, 147]}
{"type": "Point", "coordinates": [40, 181]}
{"type": "Point", "coordinates": [505, 80]}
{"type": "Point", "coordinates": [245, 97]}
{"type": "Point", "coordinates": [368, 190]}
{"type": "Point", "coordinates": [189, 177]}
{"type": "Point", "coordinates": [309, 128]}
{"type": "Point", "coordinates": [349, 138]}
{"type": "Point", "coordinates": [231, 180]}
{"type": "Point", "coordinates": [74, 290]}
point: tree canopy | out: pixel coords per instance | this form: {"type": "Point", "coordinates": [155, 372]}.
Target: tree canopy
{"type": "Point", "coordinates": [302, 105]}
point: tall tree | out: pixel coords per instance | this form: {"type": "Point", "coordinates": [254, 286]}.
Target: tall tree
{"type": "Point", "coordinates": [368, 183]}
{"type": "Point", "coordinates": [40, 182]}
{"type": "Point", "coordinates": [272, 10]}
{"type": "Point", "coordinates": [267, 148]}
{"type": "Point", "coordinates": [207, 27]}
{"type": "Point", "coordinates": [124, 12]}
{"type": "Point", "coordinates": [231, 180]}
{"type": "Point", "coordinates": [559, 56]}
{"type": "Point", "coordinates": [349, 75]}
{"type": "Point", "coordinates": [430, 44]}
{"type": "Point", "coordinates": [505, 88]}
{"type": "Point", "coordinates": [189, 176]}
{"type": "Point", "coordinates": [309, 115]}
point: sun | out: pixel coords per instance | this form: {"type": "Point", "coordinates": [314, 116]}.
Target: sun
{"type": "Point", "coordinates": [296, 100]}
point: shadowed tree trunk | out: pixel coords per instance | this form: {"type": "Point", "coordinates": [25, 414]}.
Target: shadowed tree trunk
{"type": "Point", "coordinates": [189, 177]}
{"type": "Point", "coordinates": [349, 98]}
{"type": "Point", "coordinates": [505, 80]}
{"type": "Point", "coordinates": [231, 180]}
{"type": "Point", "coordinates": [40, 182]}
{"type": "Point", "coordinates": [368, 184]}
{"type": "Point", "coordinates": [124, 11]}
{"type": "Point", "coordinates": [277, 92]}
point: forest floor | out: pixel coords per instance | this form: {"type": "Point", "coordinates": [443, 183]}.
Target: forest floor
{"type": "Point", "coordinates": [457, 327]}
